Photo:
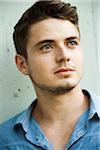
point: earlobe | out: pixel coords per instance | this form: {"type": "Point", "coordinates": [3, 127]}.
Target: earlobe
{"type": "Point", "coordinates": [21, 64]}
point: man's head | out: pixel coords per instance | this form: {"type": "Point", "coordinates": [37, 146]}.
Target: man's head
{"type": "Point", "coordinates": [47, 42]}
{"type": "Point", "coordinates": [41, 10]}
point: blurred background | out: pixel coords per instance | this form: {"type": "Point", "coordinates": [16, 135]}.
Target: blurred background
{"type": "Point", "coordinates": [16, 90]}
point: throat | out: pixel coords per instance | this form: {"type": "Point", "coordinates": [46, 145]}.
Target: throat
{"type": "Point", "coordinates": [58, 117]}
{"type": "Point", "coordinates": [60, 129]}
{"type": "Point", "coordinates": [57, 109]}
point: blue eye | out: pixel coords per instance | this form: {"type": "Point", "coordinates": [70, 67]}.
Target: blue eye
{"type": "Point", "coordinates": [72, 44]}
{"type": "Point", "coordinates": [46, 47]}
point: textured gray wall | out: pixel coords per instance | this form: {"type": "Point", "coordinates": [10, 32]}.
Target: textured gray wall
{"type": "Point", "coordinates": [16, 90]}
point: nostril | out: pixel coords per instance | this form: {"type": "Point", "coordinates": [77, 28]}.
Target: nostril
{"type": "Point", "coordinates": [68, 59]}
{"type": "Point", "coordinates": [63, 59]}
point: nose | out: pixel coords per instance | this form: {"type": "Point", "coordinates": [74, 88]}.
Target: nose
{"type": "Point", "coordinates": [62, 54]}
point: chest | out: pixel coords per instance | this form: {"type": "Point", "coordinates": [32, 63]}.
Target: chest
{"type": "Point", "coordinates": [59, 139]}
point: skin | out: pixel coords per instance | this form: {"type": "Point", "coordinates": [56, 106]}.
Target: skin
{"type": "Point", "coordinates": [55, 68]}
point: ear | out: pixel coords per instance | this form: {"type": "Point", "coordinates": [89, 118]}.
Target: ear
{"type": "Point", "coordinates": [21, 64]}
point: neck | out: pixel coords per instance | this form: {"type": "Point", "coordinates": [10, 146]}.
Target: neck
{"type": "Point", "coordinates": [58, 108]}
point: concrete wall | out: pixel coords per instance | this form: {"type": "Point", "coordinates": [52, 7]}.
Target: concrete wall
{"type": "Point", "coordinates": [16, 90]}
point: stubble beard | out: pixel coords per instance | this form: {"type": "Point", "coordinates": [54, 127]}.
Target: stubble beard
{"type": "Point", "coordinates": [53, 90]}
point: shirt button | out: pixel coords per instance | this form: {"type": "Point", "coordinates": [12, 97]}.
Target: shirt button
{"type": "Point", "coordinates": [37, 137]}
{"type": "Point", "coordinates": [45, 146]}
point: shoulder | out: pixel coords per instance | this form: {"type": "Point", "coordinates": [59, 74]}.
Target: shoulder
{"type": "Point", "coordinates": [7, 130]}
{"type": "Point", "coordinates": [9, 123]}
{"type": "Point", "coordinates": [19, 118]}
{"type": "Point", "coordinates": [13, 129]}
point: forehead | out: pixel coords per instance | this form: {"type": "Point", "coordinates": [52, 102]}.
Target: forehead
{"type": "Point", "coordinates": [52, 28]}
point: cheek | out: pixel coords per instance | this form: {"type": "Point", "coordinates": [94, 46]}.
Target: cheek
{"type": "Point", "coordinates": [78, 61]}
{"type": "Point", "coordinates": [79, 57]}
{"type": "Point", "coordinates": [39, 65]}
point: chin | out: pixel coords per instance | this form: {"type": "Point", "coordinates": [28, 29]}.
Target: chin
{"type": "Point", "coordinates": [57, 86]}
{"type": "Point", "coordinates": [66, 86]}
{"type": "Point", "coordinates": [56, 89]}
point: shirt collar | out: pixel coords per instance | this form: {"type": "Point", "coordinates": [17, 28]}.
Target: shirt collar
{"type": "Point", "coordinates": [94, 104]}
{"type": "Point", "coordinates": [25, 121]}
{"type": "Point", "coordinates": [24, 117]}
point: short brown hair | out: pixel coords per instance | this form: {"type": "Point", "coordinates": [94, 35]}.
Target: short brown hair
{"type": "Point", "coordinates": [41, 10]}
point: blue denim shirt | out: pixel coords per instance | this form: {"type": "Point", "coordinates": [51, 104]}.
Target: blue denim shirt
{"type": "Point", "coordinates": [22, 132]}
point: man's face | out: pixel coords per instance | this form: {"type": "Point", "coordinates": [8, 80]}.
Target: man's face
{"type": "Point", "coordinates": [54, 55]}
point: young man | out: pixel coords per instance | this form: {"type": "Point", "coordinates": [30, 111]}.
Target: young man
{"type": "Point", "coordinates": [47, 42]}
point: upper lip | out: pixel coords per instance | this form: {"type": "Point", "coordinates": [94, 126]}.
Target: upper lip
{"type": "Point", "coordinates": [64, 69]}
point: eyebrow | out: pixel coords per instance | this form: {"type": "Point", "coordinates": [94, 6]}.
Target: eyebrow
{"type": "Point", "coordinates": [72, 38]}
{"type": "Point", "coordinates": [44, 41]}
{"type": "Point", "coordinates": [52, 41]}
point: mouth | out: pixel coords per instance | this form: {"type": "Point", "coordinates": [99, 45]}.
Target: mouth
{"type": "Point", "coordinates": [64, 70]}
